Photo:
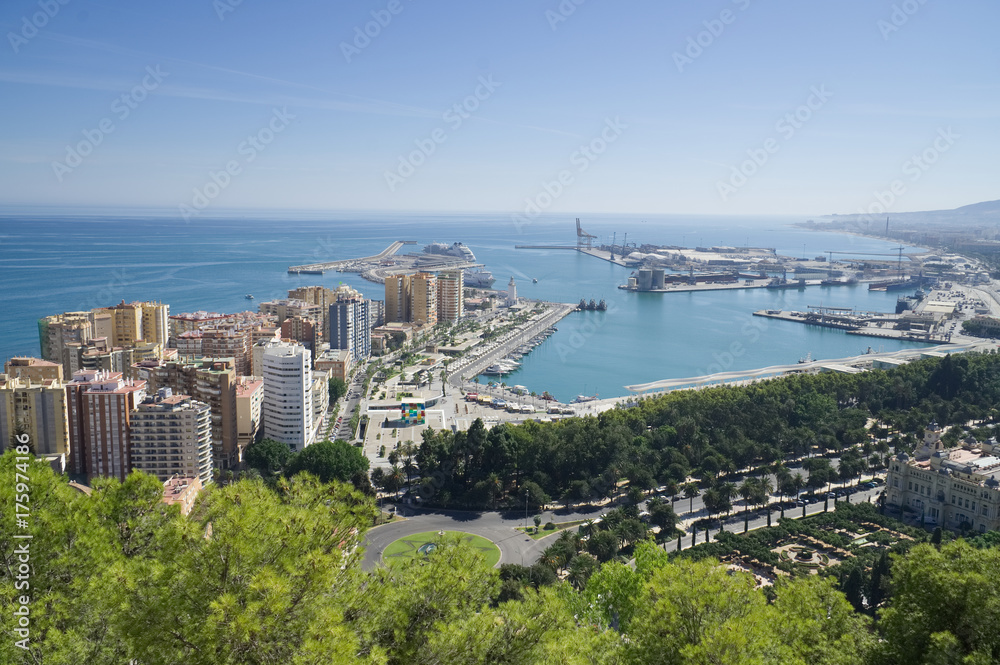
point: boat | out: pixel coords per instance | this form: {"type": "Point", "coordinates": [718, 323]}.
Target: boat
{"type": "Point", "coordinates": [457, 249]}
{"type": "Point", "coordinates": [249, 296]}
{"type": "Point", "coordinates": [807, 359]}
{"type": "Point", "coordinates": [782, 283]}
{"type": "Point", "coordinates": [478, 278]}
{"type": "Point", "coordinates": [581, 399]}
{"type": "Point", "coordinates": [534, 281]}
{"type": "Point", "coordinates": [591, 306]}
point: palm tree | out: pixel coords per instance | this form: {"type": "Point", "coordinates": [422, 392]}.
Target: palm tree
{"type": "Point", "coordinates": [672, 489]}
{"type": "Point", "coordinates": [690, 492]}
{"type": "Point", "coordinates": [728, 492]}
{"type": "Point", "coordinates": [495, 486]}
{"type": "Point", "coordinates": [746, 490]}
{"type": "Point", "coordinates": [765, 487]}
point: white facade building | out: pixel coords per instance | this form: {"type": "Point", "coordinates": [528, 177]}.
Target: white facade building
{"type": "Point", "coordinates": [288, 410]}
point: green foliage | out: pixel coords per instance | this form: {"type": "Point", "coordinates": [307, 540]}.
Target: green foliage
{"type": "Point", "coordinates": [945, 606]}
{"type": "Point", "coordinates": [268, 456]}
{"type": "Point", "coordinates": [329, 460]}
{"type": "Point", "coordinates": [715, 431]}
{"type": "Point", "coordinates": [337, 388]}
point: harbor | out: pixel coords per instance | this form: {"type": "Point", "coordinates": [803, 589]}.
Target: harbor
{"type": "Point", "coordinates": [436, 257]}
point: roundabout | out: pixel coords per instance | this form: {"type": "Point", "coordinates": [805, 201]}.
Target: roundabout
{"type": "Point", "coordinates": [422, 544]}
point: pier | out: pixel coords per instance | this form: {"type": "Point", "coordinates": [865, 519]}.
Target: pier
{"type": "Point", "coordinates": [320, 268]}
{"type": "Point", "coordinates": [862, 361]}
{"type": "Point", "coordinates": [388, 262]}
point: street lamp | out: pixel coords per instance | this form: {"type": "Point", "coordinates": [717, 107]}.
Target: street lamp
{"type": "Point", "coordinates": [526, 509]}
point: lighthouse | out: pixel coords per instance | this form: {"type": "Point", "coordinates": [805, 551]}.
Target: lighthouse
{"type": "Point", "coordinates": [511, 292]}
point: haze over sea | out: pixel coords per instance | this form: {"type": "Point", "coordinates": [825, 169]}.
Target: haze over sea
{"type": "Point", "coordinates": [57, 263]}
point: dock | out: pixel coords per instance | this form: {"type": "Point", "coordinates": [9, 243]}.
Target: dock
{"type": "Point", "coordinates": [321, 268]}
{"type": "Point", "coordinates": [867, 324]}
{"type": "Point", "coordinates": [743, 377]}
{"type": "Point", "coordinates": [596, 253]}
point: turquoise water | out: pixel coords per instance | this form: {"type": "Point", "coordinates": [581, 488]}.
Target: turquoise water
{"type": "Point", "coordinates": [58, 263]}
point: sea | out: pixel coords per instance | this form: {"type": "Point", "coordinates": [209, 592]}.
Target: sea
{"type": "Point", "coordinates": [65, 261]}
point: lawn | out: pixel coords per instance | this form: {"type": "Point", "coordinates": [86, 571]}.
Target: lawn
{"type": "Point", "coordinates": [421, 544]}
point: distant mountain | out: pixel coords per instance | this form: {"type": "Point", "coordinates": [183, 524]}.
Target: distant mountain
{"type": "Point", "coordinates": [986, 213]}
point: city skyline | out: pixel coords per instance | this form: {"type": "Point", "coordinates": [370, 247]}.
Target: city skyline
{"type": "Point", "coordinates": [725, 109]}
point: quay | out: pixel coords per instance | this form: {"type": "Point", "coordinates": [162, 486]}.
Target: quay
{"type": "Point", "coordinates": [482, 357]}
{"type": "Point", "coordinates": [320, 268]}
{"type": "Point", "coordinates": [388, 262]}
{"type": "Point", "coordinates": [855, 363]}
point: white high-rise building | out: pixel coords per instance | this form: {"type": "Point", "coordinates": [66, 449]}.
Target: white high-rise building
{"type": "Point", "coordinates": [287, 409]}
{"type": "Point", "coordinates": [351, 327]}
{"type": "Point", "coordinates": [449, 297]}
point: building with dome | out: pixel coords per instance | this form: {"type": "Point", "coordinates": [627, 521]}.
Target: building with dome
{"type": "Point", "coordinates": [953, 488]}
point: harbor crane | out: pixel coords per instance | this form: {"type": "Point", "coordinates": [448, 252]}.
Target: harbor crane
{"type": "Point", "coordinates": [898, 251]}
{"type": "Point", "coordinates": [583, 239]}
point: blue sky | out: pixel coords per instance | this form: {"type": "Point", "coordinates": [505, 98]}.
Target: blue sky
{"type": "Point", "coordinates": [328, 130]}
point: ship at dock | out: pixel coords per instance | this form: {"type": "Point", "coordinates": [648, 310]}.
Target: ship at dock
{"type": "Point", "coordinates": [782, 283]}
{"type": "Point", "coordinates": [472, 277]}
{"type": "Point", "coordinates": [898, 285]}
{"type": "Point", "coordinates": [592, 306]}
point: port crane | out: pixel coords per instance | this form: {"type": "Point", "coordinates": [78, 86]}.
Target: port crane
{"type": "Point", "coordinates": [898, 251]}
{"type": "Point", "coordinates": [583, 239]}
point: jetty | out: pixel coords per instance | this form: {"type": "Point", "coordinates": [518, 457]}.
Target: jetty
{"type": "Point", "coordinates": [320, 268]}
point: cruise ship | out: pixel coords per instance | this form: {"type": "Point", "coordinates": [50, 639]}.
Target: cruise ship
{"type": "Point", "coordinates": [457, 249]}
{"type": "Point", "coordinates": [473, 278]}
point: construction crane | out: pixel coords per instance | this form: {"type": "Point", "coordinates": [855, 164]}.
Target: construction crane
{"type": "Point", "coordinates": [583, 239]}
{"type": "Point", "coordinates": [899, 252]}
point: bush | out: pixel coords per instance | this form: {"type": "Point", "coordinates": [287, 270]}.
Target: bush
{"type": "Point", "coordinates": [549, 526]}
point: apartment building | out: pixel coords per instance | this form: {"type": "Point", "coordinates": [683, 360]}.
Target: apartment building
{"type": "Point", "coordinates": [171, 435]}
{"type": "Point", "coordinates": [351, 327]}
{"type": "Point", "coordinates": [397, 298]}
{"type": "Point", "coordinates": [287, 409]}
{"type": "Point", "coordinates": [450, 296]}
{"type": "Point", "coordinates": [208, 380]}
{"type": "Point", "coordinates": [423, 295]}
{"type": "Point", "coordinates": [249, 402]}
{"type": "Point", "coordinates": [33, 402]}
{"type": "Point", "coordinates": [108, 403]}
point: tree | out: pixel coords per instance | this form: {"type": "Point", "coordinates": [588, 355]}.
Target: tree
{"type": "Point", "coordinates": [578, 491]}
{"type": "Point", "coordinates": [337, 388]}
{"type": "Point", "coordinates": [816, 623]}
{"type": "Point", "coordinates": [537, 519]}
{"type": "Point", "coordinates": [747, 490]}
{"type": "Point", "coordinates": [708, 610]}
{"type": "Point", "coordinates": [614, 590]}
{"type": "Point", "coordinates": [603, 545]}
{"type": "Point", "coordinates": [267, 456]}
{"type": "Point", "coordinates": [580, 570]}
{"type": "Point", "coordinates": [690, 492]}
{"type": "Point", "coordinates": [944, 601]}
{"type": "Point", "coordinates": [196, 585]}
{"type": "Point", "coordinates": [662, 515]}
{"type": "Point", "coordinates": [715, 502]}
{"type": "Point", "coordinates": [536, 496]}
{"type": "Point", "coordinates": [329, 460]}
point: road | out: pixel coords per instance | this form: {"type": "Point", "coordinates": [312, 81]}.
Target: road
{"type": "Point", "coordinates": [516, 547]}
